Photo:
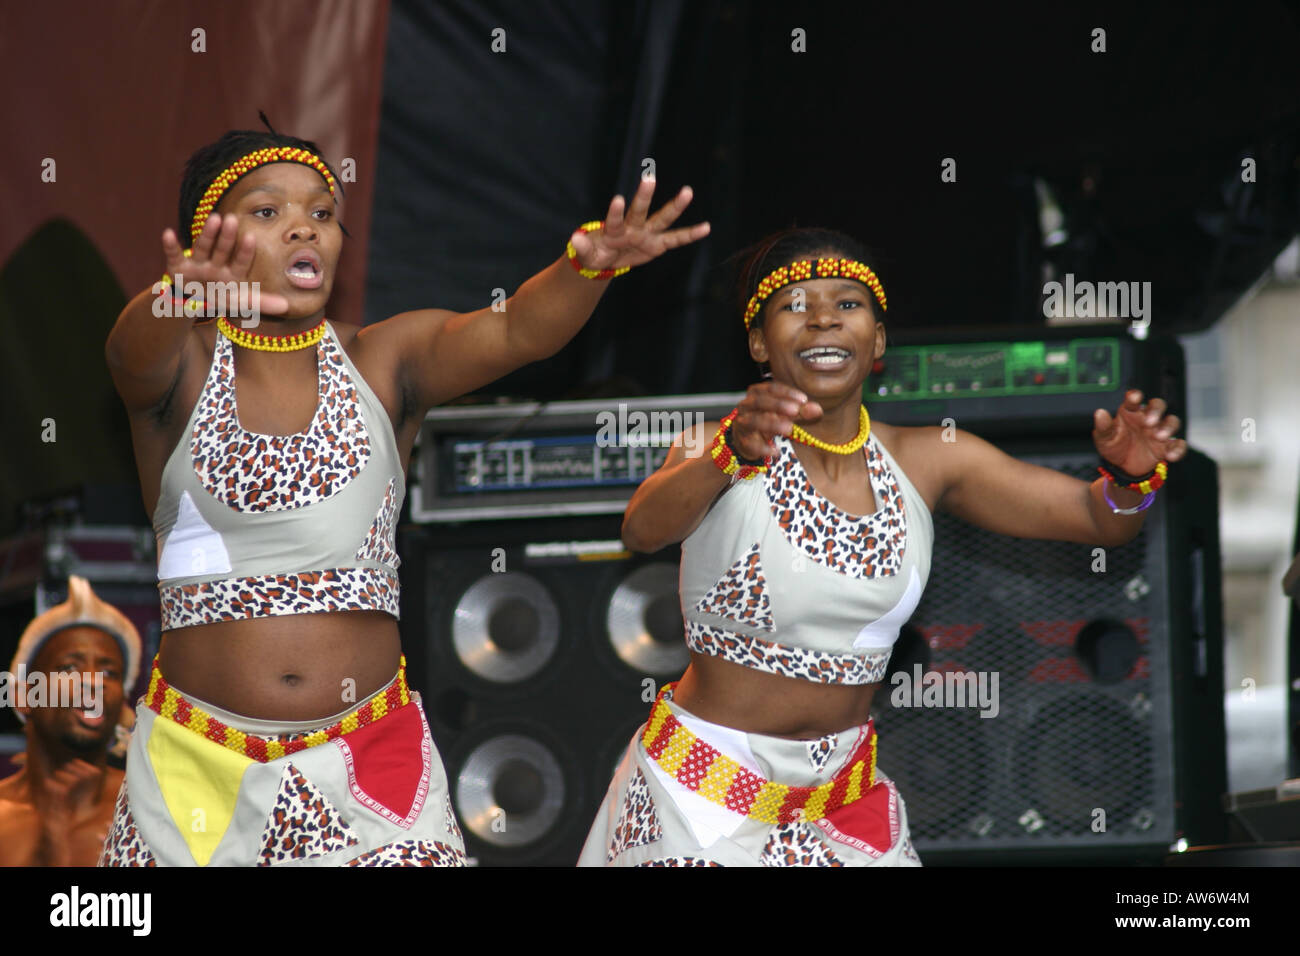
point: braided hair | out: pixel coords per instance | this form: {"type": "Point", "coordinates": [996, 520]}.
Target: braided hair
{"type": "Point", "coordinates": [788, 245]}
{"type": "Point", "coordinates": [212, 160]}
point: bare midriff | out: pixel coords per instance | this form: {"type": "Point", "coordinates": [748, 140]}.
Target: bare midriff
{"type": "Point", "coordinates": [290, 667]}
{"type": "Point", "coordinates": [757, 702]}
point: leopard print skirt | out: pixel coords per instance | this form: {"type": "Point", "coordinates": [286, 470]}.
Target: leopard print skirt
{"type": "Point", "coordinates": [188, 800]}
{"type": "Point", "coordinates": [650, 819]}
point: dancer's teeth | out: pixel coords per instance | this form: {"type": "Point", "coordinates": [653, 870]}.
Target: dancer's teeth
{"type": "Point", "coordinates": [824, 355]}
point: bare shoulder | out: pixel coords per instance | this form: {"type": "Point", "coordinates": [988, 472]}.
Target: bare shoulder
{"type": "Point", "coordinates": [113, 779]}
{"type": "Point", "coordinates": [394, 339]}
{"type": "Point", "coordinates": [919, 452]}
{"type": "Point", "coordinates": [20, 828]}
{"type": "Point", "coordinates": [10, 790]}
{"type": "Point", "coordinates": [386, 351]}
{"type": "Point", "coordinates": [347, 332]}
{"type": "Point", "coordinates": [377, 356]}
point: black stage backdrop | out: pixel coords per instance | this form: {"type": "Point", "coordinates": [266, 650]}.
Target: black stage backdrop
{"type": "Point", "coordinates": [489, 159]}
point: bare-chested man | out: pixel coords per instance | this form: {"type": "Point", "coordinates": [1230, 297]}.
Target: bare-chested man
{"type": "Point", "coordinates": [67, 681]}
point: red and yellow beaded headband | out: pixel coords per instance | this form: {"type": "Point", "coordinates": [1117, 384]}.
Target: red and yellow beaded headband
{"type": "Point", "coordinates": [805, 269]}
{"type": "Point", "coordinates": [278, 154]}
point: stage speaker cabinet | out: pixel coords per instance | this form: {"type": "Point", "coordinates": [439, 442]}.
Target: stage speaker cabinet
{"type": "Point", "coordinates": [1104, 742]}
{"type": "Point", "coordinates": [538, 647]}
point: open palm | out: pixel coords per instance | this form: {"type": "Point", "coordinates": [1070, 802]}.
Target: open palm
{"type": "Point", "coordinates": [631, 237]}
{"type": "Point", "coordinates": [1139, 435]}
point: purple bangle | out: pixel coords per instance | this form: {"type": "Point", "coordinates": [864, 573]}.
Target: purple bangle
{"type": "Point", "coordinates": [1146, 502]}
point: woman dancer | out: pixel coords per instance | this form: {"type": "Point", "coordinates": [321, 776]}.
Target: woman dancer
{"type": "Point", "coordinates": [278, 726]}
{"type": "Point", "coordinates": [806, 541]}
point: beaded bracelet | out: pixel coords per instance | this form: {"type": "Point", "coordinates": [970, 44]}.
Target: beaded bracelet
{"type": "Point", "coordinates": [729, 460]}
{"type": "Point", "coordinates": [583, 270]}
{"type": "Point", "coordinates": [1152, 481]}
{"type": "Point", "coordinates": [191, 306]}
{"type": "Point", "coordinates": [166, 282]}
{"type": "Point", "coordinates": [1120, 476]}
{"type": "Point", "coordinates": [1116, 509]}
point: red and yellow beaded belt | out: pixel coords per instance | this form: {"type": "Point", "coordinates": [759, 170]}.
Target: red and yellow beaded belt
{"type": "Point", "coordinates": [713, 775]}
{"type": "Point", "coordinates": [168, 702]}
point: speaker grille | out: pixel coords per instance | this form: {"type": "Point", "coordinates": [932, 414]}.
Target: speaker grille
{"type": "Point", "coordinates": [644, 621]}
{"type": "Point", "coordinates": [506, 627]}
{"type": "Point", "coordinates": [538, 663]}
{"type": "Point", "coordinates": [510, 791]}
{"type": "Point", "coordinates": [1073, 734]}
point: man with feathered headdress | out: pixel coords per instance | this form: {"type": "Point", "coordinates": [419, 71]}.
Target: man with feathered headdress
{"type": "Point", "coordinates": [67, 680]}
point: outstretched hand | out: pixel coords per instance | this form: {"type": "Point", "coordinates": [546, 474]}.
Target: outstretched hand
{"type": "Point", "coordinates": [767, 410]}
{"type": "Point", "coordinates": [1139, 435]}
{"type": "Point", "coordinates": [217, 256]}
{"type": "Point", "coordinates": [630, 237]}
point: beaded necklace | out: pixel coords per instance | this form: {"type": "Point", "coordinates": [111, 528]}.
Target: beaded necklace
{"type": "Point", "coordinates": [846, 448]}
{"type": "Point", "coordinates": [271, 343]}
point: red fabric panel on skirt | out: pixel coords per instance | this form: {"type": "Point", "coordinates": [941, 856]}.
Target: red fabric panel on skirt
{"type": "Point", "coordinates": [388, 763]}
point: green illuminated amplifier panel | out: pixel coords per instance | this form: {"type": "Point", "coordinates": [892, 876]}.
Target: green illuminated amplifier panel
{"type": "Point", "coordinates": [988, 369]}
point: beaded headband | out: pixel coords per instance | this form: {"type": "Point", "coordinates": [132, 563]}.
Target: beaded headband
{"type": "Point", "coordinates": [805, 269]}
{"type": "Point", "coordinates": [279, 154]}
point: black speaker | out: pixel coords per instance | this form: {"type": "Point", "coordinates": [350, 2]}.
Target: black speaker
{"type": "Point", "coordinates": [1108, 743]}
{"type": "Point", "coordinates": [538, 646]}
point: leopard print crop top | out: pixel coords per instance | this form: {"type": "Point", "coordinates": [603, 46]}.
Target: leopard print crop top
{"type": "Point", "coordinates": [777, 578]}
{"type": "Point", "coordinates": [251, 525]}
